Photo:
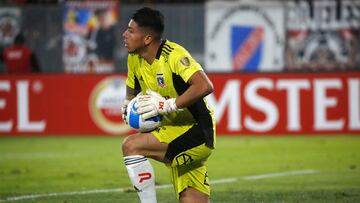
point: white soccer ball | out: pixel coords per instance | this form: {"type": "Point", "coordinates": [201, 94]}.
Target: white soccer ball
{"type": "Point", "coordinates": [135, 121]}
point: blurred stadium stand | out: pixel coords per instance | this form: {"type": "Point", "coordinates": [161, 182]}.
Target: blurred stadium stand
{"type": "Point", "coordinates": [41, 22]}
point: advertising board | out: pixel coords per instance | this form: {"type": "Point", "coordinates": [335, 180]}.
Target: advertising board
{"type": "Point", "coordinates": [251, 104]}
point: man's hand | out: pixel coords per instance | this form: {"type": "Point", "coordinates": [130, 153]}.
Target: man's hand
{"type": "Point", "coordinates": [123, 110]}
{"type": "Point", "coordinates": [153, 104]}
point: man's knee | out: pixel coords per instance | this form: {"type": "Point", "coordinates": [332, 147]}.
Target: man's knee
{"type": "Point", "coordinates": [190, 195]}
{"type": "Point", "coordinates": [129, 146]}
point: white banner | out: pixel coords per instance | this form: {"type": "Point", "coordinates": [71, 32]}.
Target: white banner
{"type": "Point", "coordinates": [244, 36]}
{"type": "Point", "coordinates": [323, 35]}
{"type": "Point", "coordinates": [9, 25]}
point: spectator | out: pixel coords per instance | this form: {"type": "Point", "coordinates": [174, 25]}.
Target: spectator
{"type": "Point", "coordinates": [19, 58]}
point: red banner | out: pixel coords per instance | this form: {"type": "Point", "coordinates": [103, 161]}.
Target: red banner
{"type": "Point", "coordinates": [287, 103]}
{"type": "Point", "coordinates": [61, 104]}
{"type": "Point", "coordinates": [265, 104]}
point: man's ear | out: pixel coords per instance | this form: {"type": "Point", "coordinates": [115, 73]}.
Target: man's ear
{"type": "Point", "coordinates": [148, 39]}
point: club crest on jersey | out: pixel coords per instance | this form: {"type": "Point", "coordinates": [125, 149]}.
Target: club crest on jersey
{"type": "Point", "coordinates": [160, 80]}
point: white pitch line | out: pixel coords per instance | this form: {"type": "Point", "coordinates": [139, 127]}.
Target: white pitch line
{"type": "Point", "coordinates": [214, 182]}
{"type": "Point", "coordinates": [39, 155]}
{"type": "Point", "coordinates": [273, 175]}
{"type": "Point", "coordinates": [225, 180]}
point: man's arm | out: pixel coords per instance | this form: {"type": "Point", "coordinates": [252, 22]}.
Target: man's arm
{"type": "Point", "coordinates": [131, 93]}
{"type": "Point", "coordinates": [154, 104]}
{"type": "Point", "coordinates": [200, 86]}
{"type": "Point", "coordinates": [2, 56]}
{"type": "Point", "coordinates": [34, 63]}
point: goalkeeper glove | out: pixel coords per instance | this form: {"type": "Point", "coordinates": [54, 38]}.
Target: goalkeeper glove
{"type": "Point", "coordinates": [153, 104]}
{"type": "Point", "coordinates": [124, 111]}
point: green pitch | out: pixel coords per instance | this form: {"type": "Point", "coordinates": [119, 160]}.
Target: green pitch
{"type": "Point", "coordinates": [242, 169]}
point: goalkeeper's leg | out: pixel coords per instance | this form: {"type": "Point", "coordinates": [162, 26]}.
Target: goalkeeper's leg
{"type": "Point", "coordinates": [136, 148]}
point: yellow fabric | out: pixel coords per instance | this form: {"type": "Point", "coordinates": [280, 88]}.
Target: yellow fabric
{"type": "Point", "coordinates": [170, 61]}
{"type": "Point", "coordinates": [158, 76]}
{"type": "Point", "coordinates": [194, 174]}
{"type": "Point", "coordinates": [167, 64]}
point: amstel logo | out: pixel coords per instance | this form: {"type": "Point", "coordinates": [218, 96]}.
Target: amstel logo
{"type": "Point", "coordinates": [105, 105]}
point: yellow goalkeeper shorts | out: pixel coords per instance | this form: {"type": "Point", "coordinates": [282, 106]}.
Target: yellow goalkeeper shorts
{"type": "Point", "coordinates": [188, 154]}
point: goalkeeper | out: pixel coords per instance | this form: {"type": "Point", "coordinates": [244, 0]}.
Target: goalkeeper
{"type": "Point", "coordinates": [174, 85]}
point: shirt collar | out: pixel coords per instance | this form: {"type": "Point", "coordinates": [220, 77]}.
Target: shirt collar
{"type": "Point", "coordinates": [160, 49]}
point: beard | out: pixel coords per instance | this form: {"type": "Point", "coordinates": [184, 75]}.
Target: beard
{"type": "Point", "coordinates": [135, 51]}
{"type": "Point", "coordinates": [138, 49]}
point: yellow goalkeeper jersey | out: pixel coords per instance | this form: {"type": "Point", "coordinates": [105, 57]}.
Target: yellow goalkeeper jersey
{"type": "Point", "coordinates": [168, 75]}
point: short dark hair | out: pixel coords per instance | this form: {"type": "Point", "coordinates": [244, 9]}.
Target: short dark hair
{"type": "Point", "coordinates": [19, 39]}
{"type": "Point", "coordinates": [150, 18]}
